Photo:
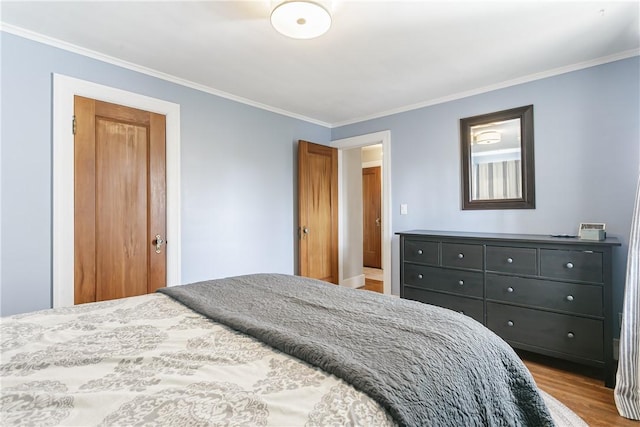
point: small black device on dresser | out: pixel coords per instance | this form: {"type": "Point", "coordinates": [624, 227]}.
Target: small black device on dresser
{"type": "Point", "coordinates": [544, 294]}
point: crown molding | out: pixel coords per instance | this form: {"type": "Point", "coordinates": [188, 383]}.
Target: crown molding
{"type": "Point", "coordinates": [41, 38]}
{"type": "Point", "coordinates": [520, 80]}
{"type": "Point", "coordinates": [31, 35]}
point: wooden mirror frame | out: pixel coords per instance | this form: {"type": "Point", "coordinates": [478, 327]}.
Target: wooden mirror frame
{"type": "Point", "coordinates": [527, 201]}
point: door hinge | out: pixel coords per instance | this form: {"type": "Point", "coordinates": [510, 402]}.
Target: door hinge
{"type": "Point", "coordinates": [73, 125]}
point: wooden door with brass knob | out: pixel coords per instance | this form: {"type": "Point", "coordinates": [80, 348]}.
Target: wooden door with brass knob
{"type": "Point", "coordinates": [318, 211]}
{"type": "Point", "coordinates": [119, 201]}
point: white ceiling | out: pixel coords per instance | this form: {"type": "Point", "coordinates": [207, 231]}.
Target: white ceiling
{"type": "Point", "coordinates": [379, 57]}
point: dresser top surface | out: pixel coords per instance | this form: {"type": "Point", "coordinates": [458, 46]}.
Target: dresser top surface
{"type": "Point", "coordinates": [532, 238]}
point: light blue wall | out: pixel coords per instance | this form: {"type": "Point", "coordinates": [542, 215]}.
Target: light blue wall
{"type": "Point", "coordinates": [238, 174]}
{"type": "Point", "coordinates": [238, 167]}
{"type": "Point", "coordinates": [587, 158]}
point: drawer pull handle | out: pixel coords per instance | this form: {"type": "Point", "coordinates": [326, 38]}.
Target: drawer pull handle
{"type": "Point", "coordinates": [419, 251]}
{"type": "Point", "coordinates": [460, 255]}
{"type": "Point", "coordinates": [570, 335]}
{"type": "Point", "coordinates": [461, 282]}
{"type": "Point", "coordinates": [509, 260]}
{"type": "Point", "coordinates": [419, 276]}
{"type": "Point", "coordinates": [569, 298]}
{"type": "Point", "coordinates": [510, 323]}
{"type": "Point", "coordinates": [569, 265]}
{"type": "Point", "coordinates": [509, 289]}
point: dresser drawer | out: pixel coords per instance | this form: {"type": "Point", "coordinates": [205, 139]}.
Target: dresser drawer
{"type": "Point", "coordinates": [461, 282]}
{"type": "Point", "coordinates": [421, 251]}
{"type": "Point", "coordinates": [562, 333]}
{"type": "Point", "coordinates": [462, 255]}
{"type": "Point", "coordinates": [568, 297]}
{"type": "Point", "coordinates": [556, 292]}
{"type": "Point", "coordinates": [512, 260]}
{"type": "Point", "coordinates": [573, 265]}
{"type": "Point", "coordinates": [473, 308]}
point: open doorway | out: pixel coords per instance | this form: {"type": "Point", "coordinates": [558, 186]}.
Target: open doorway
{"type": "Point", "coordinates": [354, 154]}
{"type": "Point", "coordinates": [372, 217]}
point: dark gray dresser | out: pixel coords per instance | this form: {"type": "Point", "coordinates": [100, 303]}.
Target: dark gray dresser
{"type": "Point", "coordinates": [542, 294]}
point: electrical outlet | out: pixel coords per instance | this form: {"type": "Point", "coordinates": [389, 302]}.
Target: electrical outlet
{"type": "Point", "coordinates": [403, 209]}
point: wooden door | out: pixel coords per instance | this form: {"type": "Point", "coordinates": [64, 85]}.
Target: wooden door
{"type": "Point", "coordinates": [120, 201]}
{"type": "Point", "coordinates": [372, 221]}
{"type": "Point", "coordinates": [318, 211]}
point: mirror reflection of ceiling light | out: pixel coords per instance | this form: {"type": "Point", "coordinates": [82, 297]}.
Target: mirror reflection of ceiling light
{"type": "Point", "coordinates": [301, 19]}
{"type": "Point", "coordinates": [487, 137]}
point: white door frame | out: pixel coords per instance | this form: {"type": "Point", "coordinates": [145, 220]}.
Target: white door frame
{"type": "Point", "coordinates": [384, 138]}
{"type": "Point", "coordinates": [64, 89]}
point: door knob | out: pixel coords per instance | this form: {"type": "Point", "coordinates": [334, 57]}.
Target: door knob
{"type": "Point", "coordinates": [158, 242]}
{"type": "Point", "coordinates": [378, 222]}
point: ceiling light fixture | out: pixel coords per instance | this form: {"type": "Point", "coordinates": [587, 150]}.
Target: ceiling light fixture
{"type": "Point", "coordinates": [301, 19]}
{"type": "Point", "coordinates": [488, 137]}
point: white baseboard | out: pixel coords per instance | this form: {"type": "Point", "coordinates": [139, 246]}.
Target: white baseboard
{"type": "Point", "coordinates": [353, 282]}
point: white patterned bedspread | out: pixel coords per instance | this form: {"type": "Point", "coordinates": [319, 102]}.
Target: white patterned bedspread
{"type": "Point", "coordinates": [148, 360]}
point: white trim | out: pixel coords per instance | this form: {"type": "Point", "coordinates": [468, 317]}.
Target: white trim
{"type": "Point", "coordinates": [353, 282]}
{"type": "Point", "coordinates": [384, 138]}
{"type": "Point", "coordinates": [372, 164]}
{"type": "Point", "coordinates": [520, 80]}
{"type": "Point", "coordinates": [50, 41]}
{"type": "Point", "coordinates": [64, 89]}
{"type": "Point", "coordinates": [41, 38]}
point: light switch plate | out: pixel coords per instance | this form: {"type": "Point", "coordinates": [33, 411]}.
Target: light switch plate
{"type": "Point", "coordinates": [403, 209]}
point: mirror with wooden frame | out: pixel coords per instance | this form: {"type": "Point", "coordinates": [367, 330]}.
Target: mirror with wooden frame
{"type": "Point", "coordinates": [497, 160]}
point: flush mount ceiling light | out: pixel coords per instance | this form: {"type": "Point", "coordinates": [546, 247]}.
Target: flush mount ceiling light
{"type": "Point", "coordinates": [301, 19]}
{"type": "Point", "coordinates": [487, 137]}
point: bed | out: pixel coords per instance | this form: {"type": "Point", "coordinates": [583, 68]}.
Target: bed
{"type": "Point", "coordinates": [263, 349]}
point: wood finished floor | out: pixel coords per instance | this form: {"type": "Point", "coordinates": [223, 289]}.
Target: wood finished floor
{"type": "Point", "coordinates": [372, 273]}
{"type": "Point", "coordinates": [579, 388]}
{"type": "Point", "coordinates": [373, 285]}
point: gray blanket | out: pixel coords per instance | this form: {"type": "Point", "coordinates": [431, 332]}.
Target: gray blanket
{"type": "Point", "coordinates": [425, 365]}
